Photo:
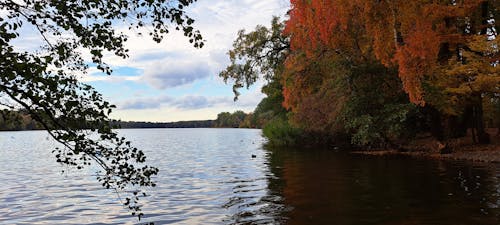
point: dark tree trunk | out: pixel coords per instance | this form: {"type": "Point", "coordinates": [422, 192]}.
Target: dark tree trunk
{"type": "Point", "coordinates": [455, 127]}
{"type": "Point", "coordinates": [479, 134]}
{"type": "Point", "coordinates": [482, 136]}
{"type": "Point", "coordinates": [434, 122]}
{"type": "Point", "coordinates": [466, 121]}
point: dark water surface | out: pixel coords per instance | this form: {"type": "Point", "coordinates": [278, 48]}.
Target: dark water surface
{"type": "Point", "coordinates": [207, 176]}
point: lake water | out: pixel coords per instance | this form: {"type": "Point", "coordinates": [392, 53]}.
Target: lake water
{"type": "Point", "coordinates": [208, 176]}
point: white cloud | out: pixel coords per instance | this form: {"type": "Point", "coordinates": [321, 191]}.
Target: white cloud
{"type": "Point", "coordinates": [218, 21]}
{"type": "Point", "coordinates": [93, 78]}
{"type": "Point", "coordinates": [171, 73]}
{"type": "Point", "coordinates": [145, 103]}
{"type": "Point", "coordinates": [192, 102]}
{"type": "Point", "coordinates": [189, 102]}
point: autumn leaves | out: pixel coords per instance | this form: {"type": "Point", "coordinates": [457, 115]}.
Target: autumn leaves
{"type": "Point", "coordinates": [445, 54]}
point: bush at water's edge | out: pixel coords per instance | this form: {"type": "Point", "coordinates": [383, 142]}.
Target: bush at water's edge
{"type": "Point", "coordinates": [280, 133]}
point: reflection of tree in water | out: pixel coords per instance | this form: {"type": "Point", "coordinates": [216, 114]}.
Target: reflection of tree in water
{"type": "Point", "coordinates": [324, 187]}
{"type": "Point", "coordinates": [258, 200]}
{"type": "Point", "coordinates": [482, 186]}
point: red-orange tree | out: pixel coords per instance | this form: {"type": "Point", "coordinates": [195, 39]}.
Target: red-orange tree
{"type": "Point", "coordinates": [437, 48]}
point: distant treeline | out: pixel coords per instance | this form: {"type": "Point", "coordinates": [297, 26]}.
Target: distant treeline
{"type": "Point", "coordinates": [180, 124]}
{"type": "Point", "coordinates": [19, 120]}
{"type": "Point", "coordinates": [237, 119]}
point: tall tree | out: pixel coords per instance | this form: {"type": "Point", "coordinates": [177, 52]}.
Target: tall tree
{"type": "Point", "coordinates": [453, 44]}
{"type": "Point", "coordinates": [44, 83]}
{"type": "Point", "coordinates": [256, 54]}
{"type": "Point", "coordinates": [436, 46]}
{"type": "Point", "coordinates": [260, 54]}
{"type": "Point", "coordinates": [327, 42]}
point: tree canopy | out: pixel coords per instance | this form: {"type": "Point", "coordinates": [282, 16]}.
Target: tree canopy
{"type": "Point", "coordinates": [43, 82]}
{"type": "Point", "coordinates": [256, 54]}
{"type": "Point", "coordinates": [444, 53]}
{"type": "Point", "coordinates": [379, 72]}
{"type": "Point", "coordinates": [260, 54]}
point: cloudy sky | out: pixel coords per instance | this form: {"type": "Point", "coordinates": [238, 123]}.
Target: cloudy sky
{"type": "Point", "coordinates": [173, 81]}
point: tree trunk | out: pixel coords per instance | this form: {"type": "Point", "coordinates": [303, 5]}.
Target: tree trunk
{"type": "Point", "coordinates": [465, 123]}
{"type": "Point", "coordinates": [455, 127]}
{"type": "Point", "coordinates": [435, 125]}
{"type": "Point", "coordinates": [480, 134]}
{"type": "Point", "coordinates": [478, 120]}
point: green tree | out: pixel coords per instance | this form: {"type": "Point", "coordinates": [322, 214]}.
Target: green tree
{"type": "Point", "coordinates": [233, 120]}
{"type": "Point", "coordinates": [238, 118]}
{"type": "Point", "coordinates": [257, 54]}
{"type": "Point", "coordinates": [44, 82]}
{"type": "Point", "coordinates": [222, 119]}
{"type": "Point", "coordinates": [260, 54]}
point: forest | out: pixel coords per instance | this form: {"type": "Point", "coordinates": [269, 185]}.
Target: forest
{"type": "Point", "coordinates": [374, 73]}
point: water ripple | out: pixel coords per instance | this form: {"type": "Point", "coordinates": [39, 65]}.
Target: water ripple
{"type": "Point", "coordinates": [208, 176]}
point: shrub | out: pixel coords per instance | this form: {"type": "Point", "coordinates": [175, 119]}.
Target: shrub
{"type": "Point", "coordinates": [280, 133]}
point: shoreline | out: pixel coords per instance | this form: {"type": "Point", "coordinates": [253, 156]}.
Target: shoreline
{"type": "Point", "coordinates": [475, 153]}
{"type": "Point", "coordinates": [463, 149]}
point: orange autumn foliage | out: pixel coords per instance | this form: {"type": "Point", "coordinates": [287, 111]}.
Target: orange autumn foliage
{"type": "Point", "coordinates": [405, 34]}
{"type": "Point", "coordinates": [417, 58]}
{"type": "Point", "coordinates": [319, 31]}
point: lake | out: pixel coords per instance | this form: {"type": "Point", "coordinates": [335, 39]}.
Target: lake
{"type": "Point", "coordinates": [208, 176]}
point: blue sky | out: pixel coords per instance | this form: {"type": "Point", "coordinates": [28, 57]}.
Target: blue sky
{"type": "Point", "coordinates": [173, 81]}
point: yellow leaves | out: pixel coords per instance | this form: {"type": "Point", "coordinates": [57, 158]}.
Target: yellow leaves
{"type": "Point", "coordinates": [460, 9]}
{"type": "Point", "coordinates": [473, 71]}
{"type": "Point", "coordinates": [463, 89]}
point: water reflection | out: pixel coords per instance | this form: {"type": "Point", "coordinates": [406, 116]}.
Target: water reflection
{"type": "Point", "coordinates": [325, 187]}
{"type": "Point", "coordinates": [207, 176]}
